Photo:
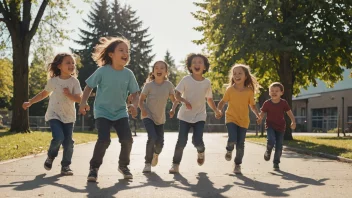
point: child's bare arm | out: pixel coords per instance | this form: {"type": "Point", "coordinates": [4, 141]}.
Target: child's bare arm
{"type": "Point", "coordinates": [142, 97]}
{"type": "Point", "coordinates": [255, 110]}
{"type": "Point", "coordinates": [83, 106]}
{"type": "Point", "coordinates": [293, 120]}
{"type": "Point", "coordinates": [40, 96]}
{"type": "Point", "coordinates": [174, 105]}
{"type": "Point", "coordinates": [181, 99]}
{"type": "Point", "coordinates": [221, 105]}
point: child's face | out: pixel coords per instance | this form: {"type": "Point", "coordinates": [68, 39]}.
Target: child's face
{"type": "Point", "coordinates": [67, 67]}
{"type": "Point", "coordinates": [275, 92]}
{"type": "Point", "coordinates": [239, 75]}
{"type": "Point", "coordinates": [197, 65]}
{"type": "Point", "coordinates": [160, 70]}
{"type": "Point", "coordinates": [121, 54]}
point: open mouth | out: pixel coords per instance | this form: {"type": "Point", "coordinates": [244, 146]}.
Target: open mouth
{"type": "Point", "coordinates": [197, 69]}
{"type": "Point", "coordinates": [124, 59]}
{"type": "Point", "coordinates": [237, 79]}
{"type": "Point", "coordinates": [158, 74]}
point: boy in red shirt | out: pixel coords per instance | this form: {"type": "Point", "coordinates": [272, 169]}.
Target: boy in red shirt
{"type": "Point", "coordinates": [275, 124]}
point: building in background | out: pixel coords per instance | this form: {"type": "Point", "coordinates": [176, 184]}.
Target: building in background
{"type": "Point", "coordinates": [320, 109]}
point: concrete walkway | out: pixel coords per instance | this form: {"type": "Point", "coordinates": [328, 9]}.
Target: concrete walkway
{"type": "Point", "coordinates": [300, 175]}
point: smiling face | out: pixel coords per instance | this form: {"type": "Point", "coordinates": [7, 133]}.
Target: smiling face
{"type": "Point", "coordinates": [197, 66]}
{"type": "Point", "coordinates": [275, 92]}
{"type": "Point", "coordinates": [239, 76]}
{"type": "Point", "coordinates": [67, 66]}
{"type": "Point", "coordinates": [160, 70]}
{"type": "Point", "coordinates": [121, 54]}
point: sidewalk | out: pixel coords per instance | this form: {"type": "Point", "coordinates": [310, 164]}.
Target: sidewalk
{"type": "Point", "coordinates": [300, 175]}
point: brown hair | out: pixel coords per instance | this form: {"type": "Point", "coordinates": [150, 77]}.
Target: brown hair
{"type": "Point", "coordinates": [151, 76]}
{"type": "Point", "coordinates": [191, 56]}
{"type": "Point", "coordinates": [277, 84]}
{"type": "Point", "coordinates": [53, 69]}
{"type": "Point", "coordinates": [251, 80]}
{"type": "Point", "coordinates": [107, 45]}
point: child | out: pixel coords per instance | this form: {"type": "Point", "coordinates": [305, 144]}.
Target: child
{"type": "Point", "coordinates": [239, 95]}
{"type": "Point", "coordinates": [192, 114]}
{"type": "Point", "coordinates": [275, 108]}
{"type": "Point", "coordinates": [64, 90]}
{"type": "Point", "coordinates": [113, 82]}
{"type": "Point", "coordinates": [156, 90]}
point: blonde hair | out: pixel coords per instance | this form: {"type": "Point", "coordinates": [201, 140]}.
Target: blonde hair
{"type": "Point", "coordinates": [251, 81]}
{"type": "Point", "coordinates": [107, 45]}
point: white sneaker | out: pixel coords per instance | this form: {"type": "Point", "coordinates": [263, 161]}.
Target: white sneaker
{"type": "Point", "coordinates": [155, 159]}
{"type": "Point", "coordinates": [174, 169]}
{"type": "Point", "coordinates": [237, 169]}
{"type": "Point", "coordinates": [147, 168]}
{"type": "Point", "coordinates": [200, 159]}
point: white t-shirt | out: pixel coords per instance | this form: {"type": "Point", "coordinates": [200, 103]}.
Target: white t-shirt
{"type": "Point", "coordinates": [61, 107]}
{"type": "Point", "coordinates": [195, 93]}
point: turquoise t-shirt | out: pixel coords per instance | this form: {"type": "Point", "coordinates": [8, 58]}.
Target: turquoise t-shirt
{"type": "Point", "coordinates": [113, 87]}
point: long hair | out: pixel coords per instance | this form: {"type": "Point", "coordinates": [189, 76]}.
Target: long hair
{"type": "Point", "coordinates": [106, 46]}
{"type": "Point", "coordinates": [251, 81]}
{"type": "Point", "coordinates": [151, 76]}
{"type": "Point", "coordinates": [53, 69]}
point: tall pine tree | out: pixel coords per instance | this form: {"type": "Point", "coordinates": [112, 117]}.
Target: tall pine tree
{"type": "Point", "coordinates": [172, 67]}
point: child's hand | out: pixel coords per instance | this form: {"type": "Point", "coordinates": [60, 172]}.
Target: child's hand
{"type": "Point", "coordinates": [218, 114]}
{"type": "Point", "coordinates": [293, 125]}
{"type": "Point", "coordinates": [144, 113]}
{"type": "Point", "coordinates": [132, 110]}
{"type": "Point", "coordinates": [188, 105]}
{"type": "Point", "coordinates": [171, 113]}
{"type": "Point", "coordinates": [67, 92]}
{"type": "Point", "coordinates": [26, 105]}
{"type": "Point", "coordinates": [259, 121]}
{"type": "Point", "coordinates": [83, 108]}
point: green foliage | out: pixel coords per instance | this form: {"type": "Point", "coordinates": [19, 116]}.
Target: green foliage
{"type": "Point", "coordinates": [6, 82]}
{"type": "Point", "coordinates": [172, 67]}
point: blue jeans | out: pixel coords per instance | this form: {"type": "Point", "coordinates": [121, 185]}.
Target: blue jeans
{"type": "Point", "coordinates": [155, 141]}
{"type": "Point", "coordinates": [125, 138]}
{"type": "Point", "coordinates": [62, 135]}
{"type": "Point", "coordinates": [237, 136]}
{"type": "Point", "coordinates": [275, 138]}
{"type": "Point", "coordinates": [197, 138]}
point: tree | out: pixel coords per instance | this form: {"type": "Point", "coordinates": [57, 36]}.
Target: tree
{"type": "Point", "coordinates": [172, 67]}
{"type": "Point", "coordinates": [6, 83]}
{"type": "Point", "coordinates": [293, 42]}
{"type": "Point", "coordinates": [22, 19]}
{"type": "Point", "coordinates": [128, 25]}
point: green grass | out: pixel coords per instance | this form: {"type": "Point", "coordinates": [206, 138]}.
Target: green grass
{"type": "Point", "coordinates": [341, 146]}
{"type": "Point", "coordinates": [15, 145]}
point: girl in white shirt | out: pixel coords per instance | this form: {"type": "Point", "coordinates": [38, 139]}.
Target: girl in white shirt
{"type": "Point", "coordinates": [192, 91]}
{"type": "Point", "coordinates": [64, 90]}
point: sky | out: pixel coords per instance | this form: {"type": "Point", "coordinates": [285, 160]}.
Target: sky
{"type": "Point", "coordinates": [170, 26]}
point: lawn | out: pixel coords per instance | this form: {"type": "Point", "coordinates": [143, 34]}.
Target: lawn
{"type": "Point", "coordinates": [331, 145]}
{"type": "Point", "coordinates": [15, 145]}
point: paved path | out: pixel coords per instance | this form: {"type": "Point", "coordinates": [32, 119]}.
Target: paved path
{"type": "Point", "coordinates": [300, 175]}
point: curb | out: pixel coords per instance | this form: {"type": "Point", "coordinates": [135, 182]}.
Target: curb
{"type": "Point", "coordinates": [308, 152]}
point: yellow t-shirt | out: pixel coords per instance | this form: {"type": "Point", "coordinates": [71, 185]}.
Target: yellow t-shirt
{"type": "Point", "coordinates": [238, 101]}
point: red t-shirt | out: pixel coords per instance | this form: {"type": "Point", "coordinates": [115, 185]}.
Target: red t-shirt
{"type": "Point", "coordinates": [275, 114]}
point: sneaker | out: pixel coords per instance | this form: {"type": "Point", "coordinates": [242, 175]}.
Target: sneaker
{"type": "Point", "coordinates": [267, 155]}
{"type": "Point", "coordinates": [200, 159]}
{"type": "Point", "coordinates": [237, 169]}
{"type": "Point", "coordinates": [93, 175]}
{"type": "Point", "coordinates": [174, 169]}
{"type": "Point", "coordinates": [276, 166]}
{"type": "Point", "coordinates": [126, 172]}
{"type": "Point", "coordinates": [66, 170]}
{"type": "Point", "coordinates": [228, 155]}
{"type": "Point", "coordinates": [48, 163]}
{"type": "Point", "coordinates": [147, 168]}
{"type": "Point", "coordinates": [155, 159]}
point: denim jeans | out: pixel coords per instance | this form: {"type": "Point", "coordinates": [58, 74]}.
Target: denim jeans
{"type": "Point", "coordinates": [275, 138]}
{"type": "Point", "coordinates": [125, 138]}
{"type": "Point", "coordinates": [62, 135]}
{"type": "Point", "coordinates": [197, 138]}
{"type": "Point", "coordinates": [155, 141]}
{"type": "Point", "coordinates": [237, 136]}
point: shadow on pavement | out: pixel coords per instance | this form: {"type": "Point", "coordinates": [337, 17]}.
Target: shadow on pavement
{"type": "Point", "coordinates": [299, 179]}
{"type": "Point", "coordinates": [94, 190]}
{"type": "Point", "coordinates": [41, 181]}
{"type": "Point", "coordinates": [203, 188]}
{"type": "Point", "coordinates": [272, 190]}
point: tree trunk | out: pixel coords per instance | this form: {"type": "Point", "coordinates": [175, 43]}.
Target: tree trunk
{"type": "Point", "coordinates": [20, 119]}
{"type": "Point", "coordinates": [286, 78]}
